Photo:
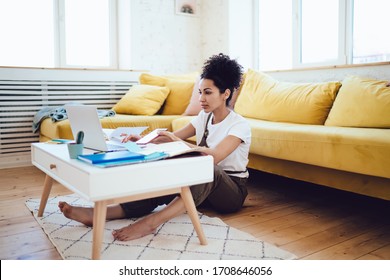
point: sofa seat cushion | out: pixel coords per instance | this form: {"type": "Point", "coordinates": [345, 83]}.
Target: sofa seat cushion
{"type": "Point", "coordinates": [62, 129]}
{"type": "Point", "coordinates": [182, 122]}
{"type": "Point", "coordinates": [358, 150]}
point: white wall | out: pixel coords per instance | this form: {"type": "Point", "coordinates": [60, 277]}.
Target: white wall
{"type": "Point", "coordinates": [163, 41]}
{"type": "Point", "coordinates": [214, 27]}
{"type": "Point", "coordinates": [241, 32]}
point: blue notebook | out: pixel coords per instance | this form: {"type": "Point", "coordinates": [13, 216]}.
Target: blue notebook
{"type": "Point", "coordinates": [147, 158]}
{"type": "Point", "coordinates": [112, 157]}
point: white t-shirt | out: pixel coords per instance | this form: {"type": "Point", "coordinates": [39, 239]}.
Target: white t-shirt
{"type": "Point", "coordinates": [233, 124]}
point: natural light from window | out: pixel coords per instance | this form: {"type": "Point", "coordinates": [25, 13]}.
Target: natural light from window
{"type": "Point", "coordinates": [290, 33]}
{"type": "Point", "coordinates": [54, 33]}
{"type": "Point", "coordinates": [312, 33]}
{"type": "Point", "coordinates": [87, 43]}
{"type": "Point", "coordinates": [371, 38]}
{"type": "Point", "coordinates": [275, 34]}
{"type": "Point", "coordinates": [320, 23]}
{"type": "Point", "coordinates": [26, 31]}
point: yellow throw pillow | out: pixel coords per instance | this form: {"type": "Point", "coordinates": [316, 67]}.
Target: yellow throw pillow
{"type": "Point", "coordinates": [180, 87]}
{"type": "Point", "coordinates": [142, 100]}
{"type": "Point", "coordinates": [193, 107]}
{"type": "Point", "coordinates": [361, 102]}
{"type": "Point", "coordinates": [154, 80]}
{"type": "Point", "coordinates": [237, 93]}
{"type": "Point", "coordinates": [160, 80]}
{"type": "Point", "coordinates": [179, 97]}
{"type": "Point", "coordinates": [263, 97]}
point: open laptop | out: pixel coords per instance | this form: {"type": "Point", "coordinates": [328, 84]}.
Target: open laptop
{"type": "Point", "coordinates": [85, 118]}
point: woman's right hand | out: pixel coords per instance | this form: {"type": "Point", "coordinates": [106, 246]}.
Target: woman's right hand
{"type": "Point", "coordinates": [165, 136]}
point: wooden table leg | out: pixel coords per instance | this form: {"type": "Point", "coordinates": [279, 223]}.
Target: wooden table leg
{"type": "Point", "coordinates": [45, 194]}
{"type": "Point", "coordinates": [99, 220]}
{"type": "Point", "coordinates": [191, 209]}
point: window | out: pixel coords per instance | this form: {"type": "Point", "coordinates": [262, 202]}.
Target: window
{"type": "Point", "coordinates": [59, 33]}
{"type": "Point", "coordinates": [371, 41]}
{"type": "Point", "coordinates": [307, 33]}
{"type": "Point", "coordinates": [26, 37]}
{"type": "Point", "coordinates": [319, 26]}
{"type": "Point", "coordinates": [275, 34]}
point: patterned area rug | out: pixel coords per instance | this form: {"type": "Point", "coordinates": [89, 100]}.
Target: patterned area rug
{"type": "Point", "coordinates": [173, 240]}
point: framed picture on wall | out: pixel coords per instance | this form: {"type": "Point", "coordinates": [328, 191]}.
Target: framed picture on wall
{"type": "Point", "coordinates": [186, 7]}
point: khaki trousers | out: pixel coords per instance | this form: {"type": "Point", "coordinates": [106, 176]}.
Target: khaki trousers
{"type": "Point", "coordinates": [225, 194]}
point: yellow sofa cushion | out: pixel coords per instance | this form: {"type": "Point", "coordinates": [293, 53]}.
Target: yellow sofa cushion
{"type": "Point", "coordinates": [152, 122]}
{"type": "Point", "coordinates": [263, 97]}
{"type": "Point", "coordinates": [179, 97]}
{"type": "Point", "coordinates": [180, 86]}
{"type": "Point", "coordinates": [237, 92]}
{"type": "Point", "coordinates": [181, 122]}
{"type": "Point", "coordinates": [160, 80]}
{"type": "Point", "coordinates": [142, 100]}
{"type": "Point", "coordinates": [361, 102]}
{"type": "Point", "coordinates": [52, 130]}
{"type": "Point", "coordinates": [342, 148]}
{"type": "Point", "coordinates": [193, 107]}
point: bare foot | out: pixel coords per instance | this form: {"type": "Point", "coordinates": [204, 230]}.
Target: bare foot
{"type": "Point", "coordinates": [137, 230]}
{"type": "Point", "coordinates": [80, 214]}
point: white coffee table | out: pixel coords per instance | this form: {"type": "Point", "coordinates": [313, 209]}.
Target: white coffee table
{"type": "Point", "coordinates": [105, 186]}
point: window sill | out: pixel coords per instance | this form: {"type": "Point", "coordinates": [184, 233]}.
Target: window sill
{"type": "Point", "coordinates": [330, 67]}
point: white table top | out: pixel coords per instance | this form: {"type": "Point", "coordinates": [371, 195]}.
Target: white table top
{"type": "Point", "coordinates": [94, 183]}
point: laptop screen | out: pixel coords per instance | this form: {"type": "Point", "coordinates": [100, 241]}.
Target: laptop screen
{"type": "Point", "coordinates": [85, 118]}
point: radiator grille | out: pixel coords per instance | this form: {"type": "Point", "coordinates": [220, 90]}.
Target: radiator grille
{"type": "Point", "coordinates": [20, 100]}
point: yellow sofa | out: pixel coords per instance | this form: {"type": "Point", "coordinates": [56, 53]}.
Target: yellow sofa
{"type": "Point", "coordinates": [333, 134]}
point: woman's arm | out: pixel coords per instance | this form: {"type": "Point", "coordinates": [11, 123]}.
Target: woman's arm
{"type": "Point", "coordinates": [223, 149]}
{"type": "Point", "coordinates": [219, 153]}
{"type": "Point", "coordinates": [165, 136]}
{"type": "Point", "coordinates": [181, 134]}
{"type": "Point", "coordinates": [185, 132]}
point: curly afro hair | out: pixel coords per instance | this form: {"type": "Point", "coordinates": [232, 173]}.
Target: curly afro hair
{"type": "Point", "coordinates": [226, 73]}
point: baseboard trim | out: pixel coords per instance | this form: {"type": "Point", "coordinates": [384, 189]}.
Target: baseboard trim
{"type": "Point", "coordinates": [11, 161]}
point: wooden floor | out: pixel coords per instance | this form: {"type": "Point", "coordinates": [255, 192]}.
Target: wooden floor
{"type": "Point", "coordinates": [313, 222]}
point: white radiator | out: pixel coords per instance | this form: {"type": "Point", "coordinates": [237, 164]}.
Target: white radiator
{"type": "Point", "coordinates": [20, 100]}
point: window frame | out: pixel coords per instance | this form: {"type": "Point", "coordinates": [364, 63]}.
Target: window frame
{"type": "Point", "coordinates": [60, 39]}
{"type": "Point", "coordinates": [297, 38]}
{"type": "Point", "coordinates": [345, 44]}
